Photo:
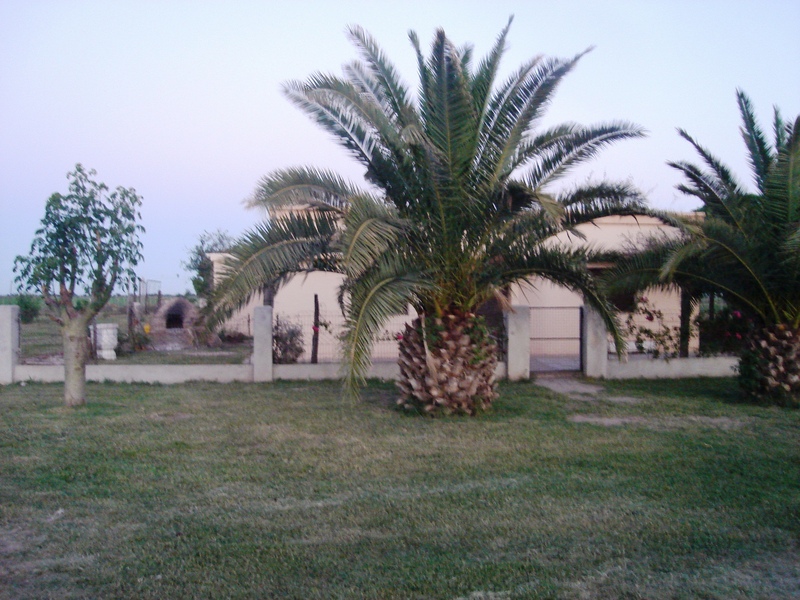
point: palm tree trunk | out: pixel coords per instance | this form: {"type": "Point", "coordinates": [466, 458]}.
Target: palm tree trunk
{"type": "Point", "coordinates": [769, 368]}
{"type": "Point", "coordinates": [447, 365]}
{"type": "Point", "coordinates": [76, 353]}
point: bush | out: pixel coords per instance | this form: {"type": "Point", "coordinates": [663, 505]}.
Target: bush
{"type": "Point", "coordinates": [233, 337]}
{"type": "Point", "coordinates": [287, 341]}
{"type": "Point", "coordinates": [725, 333]}
{"type": "Point", "coordinates": [658, 340]}
{"type": "Point", "coordinates": [29, 307]}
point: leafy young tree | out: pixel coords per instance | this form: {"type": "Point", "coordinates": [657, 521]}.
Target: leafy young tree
{"type": "Point", "coordinates": [200, 265]}
{"type": "Point", "coordinates": [746, 248]}
{"type": "Point", "coordinates": [88, 242]}
{"type": "Point", "coordinates": [459, 207]}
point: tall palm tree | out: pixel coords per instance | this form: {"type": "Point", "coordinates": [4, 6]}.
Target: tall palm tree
{"type": "Point", "coordinates": [745, 248]}
{"type": "Point", "coordinates": [457, 209]}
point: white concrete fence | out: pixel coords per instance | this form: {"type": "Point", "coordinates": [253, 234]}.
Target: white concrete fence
{"type": "Point", "coordinates": [595, 359]}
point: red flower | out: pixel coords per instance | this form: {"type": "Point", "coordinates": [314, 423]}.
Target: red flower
{"type": "Point", "coordinates": [737, 314]}
{"type": "Point", "coordinates": [738, 336]}
{"type": "Point", "coordinates": [398, 337]}
{"type": "Point", "coordinates": [315, 329]}
{"type": "Point", "coordinates": [650, 317]}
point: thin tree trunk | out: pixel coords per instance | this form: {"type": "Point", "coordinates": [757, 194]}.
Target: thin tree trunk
{"type": "Point", "coordinates": [315, 332]}
{"type": "Point", "coordinates": [711, 307]}
{"type": "Point", "coordinates": [76, 351]}
{"type": "Point", "coordinates": [686, 324]}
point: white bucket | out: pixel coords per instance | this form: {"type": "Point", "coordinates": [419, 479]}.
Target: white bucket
{"type": "Point", "coordinates": [105, 336]}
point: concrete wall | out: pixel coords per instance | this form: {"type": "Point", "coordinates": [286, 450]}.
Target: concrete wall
{"type": "Point", "coordinates": [595, 360]}
{"type": "Point", "coordinates": [648, 368]}
{"type": "Point", "coordinates": [9, 342]}
{"type": "Point", "coordinates": [261, 368]}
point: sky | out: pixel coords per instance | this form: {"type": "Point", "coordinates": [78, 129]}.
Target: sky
{"type": "Point", "coordinates": [182, 100]}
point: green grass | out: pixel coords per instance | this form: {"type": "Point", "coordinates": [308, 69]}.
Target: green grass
{"type": "Point", "coordinates": [285, 491]}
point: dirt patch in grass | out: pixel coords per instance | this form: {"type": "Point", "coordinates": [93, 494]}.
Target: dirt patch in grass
{"type": "Point", "coordinates": [607, 421]}
{"type": "Point", "coordinates": [662, 423]}
{"type": "Point", "coordinates": [170, 417]}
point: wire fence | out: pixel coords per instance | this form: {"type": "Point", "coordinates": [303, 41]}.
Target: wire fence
{"type": "Point", "coordinates": [329, 333]}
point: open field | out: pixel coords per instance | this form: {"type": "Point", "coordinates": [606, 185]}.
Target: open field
{"type": "Point", "coordinates": [40, 342]}
{"type": "Point", "coordinates": [643, 490]}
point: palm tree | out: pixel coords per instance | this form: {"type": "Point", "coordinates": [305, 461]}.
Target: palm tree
{"type": "Point", "coordinates": [641, 267]}
{"type": "Point", "coordinates": [457, 209]}
{"type": "Point", "coordinates": [744, 248]}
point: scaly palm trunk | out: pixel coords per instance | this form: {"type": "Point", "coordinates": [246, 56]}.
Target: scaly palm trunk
{"type": "Point", "coordinates": [769, 369]}
{"type": "Point", "coordinates": [76, 353]}
{"type": "Point", "coordinates": [447, 365]}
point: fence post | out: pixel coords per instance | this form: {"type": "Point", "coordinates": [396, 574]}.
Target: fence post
{"type": "Point", "coordinates": [594, 344]}
{"type": "Point", "coordinates": [262, 343]}
{"type": "Point", "coordinates": [9, 342]}
{"type": "Point", "coordinates": [518, 345]}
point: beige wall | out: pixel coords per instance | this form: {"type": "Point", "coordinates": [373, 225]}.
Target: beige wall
{"type": "Point", "coordinates": [609, 233]}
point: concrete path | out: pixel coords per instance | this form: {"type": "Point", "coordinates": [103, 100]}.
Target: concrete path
{"type": "Point", "coordinates": [578, 390]}
{"type": "Point", "coordinates": [569, 386]}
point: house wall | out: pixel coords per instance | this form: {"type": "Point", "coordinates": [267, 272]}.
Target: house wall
{"type": "Point", "coordinates": [294, 300]}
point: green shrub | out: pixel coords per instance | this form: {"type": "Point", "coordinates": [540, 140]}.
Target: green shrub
{"type": "Point", "coordinates": [29, 307]}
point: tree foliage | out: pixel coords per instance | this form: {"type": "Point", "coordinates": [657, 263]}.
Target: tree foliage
{"type": "Point", "coordinates": [200, 265]}
{"type": "Point", "coordinates": [87, 244]}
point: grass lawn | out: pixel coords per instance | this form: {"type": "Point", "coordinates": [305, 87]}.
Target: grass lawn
{"type": "Point", "coordinates": [651, 490]}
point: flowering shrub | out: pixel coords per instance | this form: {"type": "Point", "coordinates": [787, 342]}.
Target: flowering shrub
{"type": "Point", "coordinates": [657, 340]}
{"type": "Point", "coordinates": [287, 341]}
{"type": "Point", "coordinates": [725, 333]}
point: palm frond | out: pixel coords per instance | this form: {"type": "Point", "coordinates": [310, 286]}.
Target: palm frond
{"type": "Point", "coordinates": [641, 268]}
{"type": "Point", "coordinates": [329, 102]}
{"type": "Point", "coordinates": [782, 185]}
{"type": "Point", "coordinates": [514, 110]}
{"type": "Point", "coordinates": [371, 230]}
{"type": "Point", "coordinates": [393, 93]}
{"type": "Point", "coordinates": [586, 203]}
{"type": "Point", "coordinates": [553, 159]}
{"type": "Point", "coordinates": [565, 267]}
{"type": "Point", "coordinates": [368, 302]}
{"type": "Point", "coordinates": [485, 74]}
{"type": "Point", "coordinates": [269, 253]}
{"type": "Point", "coordinates": [759, 153]}
{"type": "Point", "coordinates": [707, 188]}
{"type": "Point", "coordinates": [448, 114]}
{"type": "Point", "coordinates": [303, 186]}
{"type": "Point", "coordinates": [725, 178]}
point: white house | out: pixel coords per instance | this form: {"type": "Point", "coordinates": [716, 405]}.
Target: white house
{"type": "Point", "coordinates": [555, 311]}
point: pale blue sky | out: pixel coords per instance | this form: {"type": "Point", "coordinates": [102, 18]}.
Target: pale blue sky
{"type": "Point", "coordinates": [181, 99]}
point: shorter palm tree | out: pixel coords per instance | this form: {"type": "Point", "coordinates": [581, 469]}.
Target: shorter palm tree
{"type": "Point", "coordinates": [459, 209]}
{"type": "Point", "coordinates": [746, 248]}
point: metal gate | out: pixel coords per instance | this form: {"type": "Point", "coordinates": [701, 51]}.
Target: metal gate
{"type": "Point", "coordinates": [556, 338]}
